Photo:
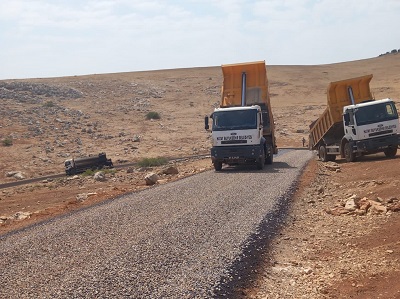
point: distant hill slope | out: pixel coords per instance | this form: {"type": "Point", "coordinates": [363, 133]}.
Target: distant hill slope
{"type": "Point", "coordinates": [52, 119]}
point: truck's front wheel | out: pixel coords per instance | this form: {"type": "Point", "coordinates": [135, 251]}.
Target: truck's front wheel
{"type": "Point", "coordinates": [217, 166]}
{"type": "Point", "coordinates": [348, 153]}
{"type": "Point", "coordinates": [390, 152]}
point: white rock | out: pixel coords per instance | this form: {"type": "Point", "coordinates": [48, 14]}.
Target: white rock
{"type": "Point", "coordinates": [22, 215]}
{"type": "Point", "coordinates": [100, 176]}
{"type": "Point", "coordinates": [19, 176]}
{"type": "Point", "coordinates": [350, 205]}
{"type": "Point", "coordinates": [151, 178]}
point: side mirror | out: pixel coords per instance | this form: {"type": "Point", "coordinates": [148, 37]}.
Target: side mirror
{"type": "Point", "coordinates": [346, 118]}
{"type": "Point", "coordinates": [206, 125]}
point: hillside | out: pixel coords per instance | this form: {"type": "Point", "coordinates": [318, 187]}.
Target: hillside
{"type": "Point", "coordinates": [53, 119]}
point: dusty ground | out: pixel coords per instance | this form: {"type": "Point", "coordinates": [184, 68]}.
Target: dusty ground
{"type": "Point", "coordinates": [328, 249]}
{"type": "Point", "coordinates": [323, 251]}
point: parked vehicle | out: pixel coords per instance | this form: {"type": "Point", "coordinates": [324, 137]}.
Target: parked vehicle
{"type": "Point", "coordinates": [79, 165]}
{"type": "Point", "coordinates": [354, 123]}
{"type": "Point", "coordinates": [243, 127]}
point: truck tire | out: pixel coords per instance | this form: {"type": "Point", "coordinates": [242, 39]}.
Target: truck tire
{"type": "Point", "coordinates": [348, 153]}
{"type": "Point", "coordinates": [270, 157]}
{"type": "Point", "coordinates": [322, 154]}
{"type": "Point", "coordinates": [217, 166]}
{"type": "Point", "coordinates": [261, 161]}
{"type": "Point", "coordinates": [390, 152]}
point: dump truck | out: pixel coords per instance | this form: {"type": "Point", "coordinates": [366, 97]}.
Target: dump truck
{"type": "Point", "coordinates": [79, 165]}
{"type": "Point", "coordinates": [242, 126]}
{"type": "Point", "coordinates": [354, 123]}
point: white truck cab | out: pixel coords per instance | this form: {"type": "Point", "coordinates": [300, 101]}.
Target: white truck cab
{"type": "Point", "coordinates": [237, 137]}
{"type": "Point", "coordinates": [371, 127]}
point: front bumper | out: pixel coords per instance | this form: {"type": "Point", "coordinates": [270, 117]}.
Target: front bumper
{"type": "Point", "coordinates": [379, 143]}
{"type": "Point", "coordinates": [236, 154]}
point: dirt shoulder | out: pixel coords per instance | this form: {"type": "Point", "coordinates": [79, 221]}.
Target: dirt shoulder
{"type": "Point", "coordinates": [26, 205]}
{"type": "Point", "coordinates": [341, 238]}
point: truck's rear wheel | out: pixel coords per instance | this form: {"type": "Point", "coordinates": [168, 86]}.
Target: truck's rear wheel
{"type": "Point", "coordinates": [217, 166]}
{"type": "Point", "coordinates": [261, 161]}
{"type": "Point", "coordinates": [348, 153]}
{"type": "Point", "coordinates": [270, 157]}
{"type": "Point", "coordinates": [322, 154]}
{"type": "Point", "coordinates": [390, 152]}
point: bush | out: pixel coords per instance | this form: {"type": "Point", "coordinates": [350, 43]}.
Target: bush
{"type": "Point", "coordinates": [149, 162]}
{"type": "Point", "coordinates": [49, 104]}
{"type": "Point", "coordinates": [7, 142]}
{"type": "Point", "coordinates": [91, 172]}
{"type": "Point", "coordinates": [153, 115]}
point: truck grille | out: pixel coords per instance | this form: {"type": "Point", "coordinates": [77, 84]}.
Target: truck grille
{"type": "Point", "coordinates": [380, 133]}
{"type": "Point", "coordinates": [233, 141]}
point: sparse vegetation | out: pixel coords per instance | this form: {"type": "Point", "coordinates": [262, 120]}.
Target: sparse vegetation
{"type": "Point", "coordinates": [49, 104]}
{"type": "Point", "coordinates": [109, 170]}
{"type": "Point", "coordinates": [153, 115]}
{"type": "Point", "coordinates": [7, 142]}
{"type": "Point", "coordinates": [91, 172]}
{"type": "Point", "coordinates": [394, 51]}
{"type": "Point", "coordinates": [149, 162]}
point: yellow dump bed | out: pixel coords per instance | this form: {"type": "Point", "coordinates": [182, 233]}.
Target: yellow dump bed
{"type": "Point", "coordinates": [256, 84]}
{"type": "Point", "coordinates": [256, 92]}
{"type": "Point", "coordinates": [338, 97]}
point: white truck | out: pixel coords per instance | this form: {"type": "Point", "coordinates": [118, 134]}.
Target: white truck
{"type": "Point", "coordinates": [243, 126]}
{"type": "Point", "coordinates": [354, 124]}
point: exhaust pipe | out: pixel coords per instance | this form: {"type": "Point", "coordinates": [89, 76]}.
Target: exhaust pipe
{"type": "Point", "coordinates": [244, 89]}
{"type": "Point", "coordinates": [350, 91]}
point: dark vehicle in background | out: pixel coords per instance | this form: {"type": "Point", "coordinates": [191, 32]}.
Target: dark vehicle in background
{"type": "Point", "coordinates": [79, 165]}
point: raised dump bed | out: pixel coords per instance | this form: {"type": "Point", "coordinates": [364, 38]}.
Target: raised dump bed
{"type": "Point", "coordinates": [330, 124]}
{"type": "Point", "coordinates": [253, 75]}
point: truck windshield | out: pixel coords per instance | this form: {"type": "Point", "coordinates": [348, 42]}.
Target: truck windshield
{"type": "Point", "coordinates": [376, 113]}
{"type": "Point", "coordinates": [234, 120]}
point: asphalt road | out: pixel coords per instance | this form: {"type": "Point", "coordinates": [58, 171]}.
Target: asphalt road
{"type": "Point", "coordinates": [193, 238]}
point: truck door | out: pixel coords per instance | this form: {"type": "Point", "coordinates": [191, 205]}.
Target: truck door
{"type": "Point", "coordinates": [350, 127]}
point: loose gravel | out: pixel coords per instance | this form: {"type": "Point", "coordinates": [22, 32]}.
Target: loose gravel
{"type": "Point", "coordinates": [192, 238]}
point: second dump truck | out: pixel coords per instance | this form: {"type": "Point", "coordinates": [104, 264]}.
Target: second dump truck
{"type": "Point", "coordinates": [243, 126]}
{"type": "Point", "coordinates": [354, 123]}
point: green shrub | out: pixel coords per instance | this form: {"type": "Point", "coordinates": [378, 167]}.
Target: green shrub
{"type": "Point", "coordinates": [7, 142]}
{"type": "Point", "coordinates": [49, 104]}
{"type": "Point", "coordinates": [153, 115]}
{"type": "Point", "coordinates": [109, 170]}
{"type": "Point", "coordinates": [89, 172]}
{"type": "Point", "coordinates": [149, 162]}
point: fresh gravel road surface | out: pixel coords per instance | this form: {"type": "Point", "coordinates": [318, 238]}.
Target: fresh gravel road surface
{"type": "Point", "coordinates": [193, 238]}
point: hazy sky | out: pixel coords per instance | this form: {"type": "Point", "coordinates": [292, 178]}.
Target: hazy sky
{"type": "Point", "coordinates": [47, 38]}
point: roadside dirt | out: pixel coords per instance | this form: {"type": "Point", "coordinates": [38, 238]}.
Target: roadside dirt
{"type": "Point", "coordinates": [327, 249]}
{"type": "Point", "coordinates": [26, 205]}
{"type": "Point", "coordinates": [324, 250]}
